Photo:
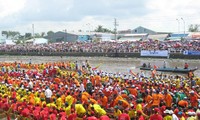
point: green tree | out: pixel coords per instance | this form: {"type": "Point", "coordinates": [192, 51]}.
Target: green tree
{"type": "Point", "coordinates": [18, 42]}
{"type": "Point", "coordinates": [42, 34]}
{"type": "Point", "coordinates": [28, 35]}
{"type": "Point", "coordinates": [37, 35]}
{"type": "Point", "coordinates": [194, 28]}
{"type": "Point", "coordinates": [99, 28]}
{"type": "Point", "coordinates": [50, 33]}
{"type": "Point", "coordinates": [5, 33]}
{"type": "Point", "coordinates": [10, 33]}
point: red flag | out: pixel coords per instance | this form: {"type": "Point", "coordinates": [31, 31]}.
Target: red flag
{"type": "Point", "coordinates": [96, 67]}
{"type": "Point", "coordinates": [155, 67]}
{"type": "Point", "coordinates": [133, 73]}
{"type": "Point", "coordinates": [154, 71]}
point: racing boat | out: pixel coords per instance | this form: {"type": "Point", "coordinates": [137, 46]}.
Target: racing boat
{"type": "Point", "coordinates": [168, 69]}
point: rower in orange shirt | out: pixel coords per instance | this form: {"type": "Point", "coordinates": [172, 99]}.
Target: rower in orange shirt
{"type": "Point", "coordinates": [104, 100]}
{"type": "Point", "coordinates": [97, 80]}
{"type": "Point", "coordinates": [183, 103]}
{"type": "Point", "coordinates": [168, 99]}
{"type": "Point", "coordinates": [133, 90]}
{"type": "Point", "coordinates": [148, 100]}
{"type": "Point", "coordinates": [156, 99]}
{"type": "Point", "coordinates": [193, 99]}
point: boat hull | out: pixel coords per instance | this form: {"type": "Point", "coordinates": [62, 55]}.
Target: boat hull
{"type": "Point", "coordinates": [175, 70]}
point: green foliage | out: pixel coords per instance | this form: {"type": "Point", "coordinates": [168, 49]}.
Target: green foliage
{"type": "Point", "coordinates": [50, 32]}
{"type": "Point", "coordinates": [194, 28]}
{"type": "Point", "coordinates": [10, 33]}
{"type": "Point", "coordinates": [100, 28]}
{"type": "Point", "coordinates": [119, 37]}
{"type": "Point", "coordinates": [28, 35]}
{"type": "Point", "coordinates": [37, 35]}
{"type": "Point", "coordinates": [18, 42]}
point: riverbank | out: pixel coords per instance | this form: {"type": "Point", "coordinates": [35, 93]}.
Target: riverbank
{"type": "Point", "coordinates": [99, 54]}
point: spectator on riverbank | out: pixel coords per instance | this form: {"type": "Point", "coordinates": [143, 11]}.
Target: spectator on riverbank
{"type": "Point", "coordinates": [105, 47]}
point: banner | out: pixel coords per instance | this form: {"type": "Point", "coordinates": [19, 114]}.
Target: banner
{"type": "Point", "coordinates": [190, 52]}
{"type": "Point", "coordinates": [154, 53]}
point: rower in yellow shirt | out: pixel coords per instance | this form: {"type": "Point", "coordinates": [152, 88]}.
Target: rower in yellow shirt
{"type": "Point", "coordinates": [69, 99]}
{"type": "Point", "coordinates": [59, 102]}
{"type": "Point", "coordinates": [117, 112]}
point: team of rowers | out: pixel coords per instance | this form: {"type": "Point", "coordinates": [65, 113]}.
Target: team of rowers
{"type": "Point", "coordinates": [69, 91]}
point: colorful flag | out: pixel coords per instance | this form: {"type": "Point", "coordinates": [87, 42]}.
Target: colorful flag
{"type": "Point", "coordinates": [133, 73]}
{"type": "Point", "coordinates": [96, 67]}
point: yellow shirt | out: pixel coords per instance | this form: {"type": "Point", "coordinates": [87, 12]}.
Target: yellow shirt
{"type": "Point", "coordinates": [168, 117]}
{"type": "Point", "coordinates": [117, 113]}
{"type": "Point", "coordinates": [59, 102]}
{"type": "Point", "coordinates": [132, 113]}
{"type": "Point", "coordinates": [69, 99]}
{"type": "Point", "coordinates": [139, 107]}
{"type": "Point", "coordinates": [68, 110]}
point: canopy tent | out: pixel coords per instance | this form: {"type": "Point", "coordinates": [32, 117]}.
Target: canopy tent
{"type": "Point", "coordinates": [40, 41]}
{"type": "Point", "coordinates": [37, 41]}
{"type": "Point", "coordinates": [160, 37]}
{"type": "Point", "coordinates": [9, 42]}
{"type": "Point", "coordinates": [194, 36]}
{"type": "Point", "coordinates": [133, 37]}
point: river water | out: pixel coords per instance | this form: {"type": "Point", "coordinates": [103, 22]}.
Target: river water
{"type": "Point", "coordinates": [108, 64]}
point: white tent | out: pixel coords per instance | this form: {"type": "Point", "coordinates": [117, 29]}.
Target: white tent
{"type": "Point", "coordinates": [133, 37]}
{"type": "Point", "coordinates": [40, 41]}
{"type": "Point", "coordinates": [158, 37]}
{"type": "Point", "coordinates": [10, 42]}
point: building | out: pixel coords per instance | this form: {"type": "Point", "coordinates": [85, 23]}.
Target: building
{"type": "Point", "coordinates": [129, 31]}
{"type": "Point", "coordinates": [82, 36]}
{"type": "Point", "coordinates": [62, 37]}
{"type": "Point", "coordinates": [177, 36]}
{"type": "Point", "coordinates": [141, 30]}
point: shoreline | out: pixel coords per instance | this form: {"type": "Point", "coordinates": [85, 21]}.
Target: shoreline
{"type": "Point", "coordinates": [97, 54]}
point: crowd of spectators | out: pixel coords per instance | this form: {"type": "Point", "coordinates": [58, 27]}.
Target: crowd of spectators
{"type": "Point", "coordinates": [105, 47]}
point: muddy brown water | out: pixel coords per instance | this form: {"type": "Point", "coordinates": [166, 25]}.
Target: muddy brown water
{"type": "Point", "coordinates": [108, 64]}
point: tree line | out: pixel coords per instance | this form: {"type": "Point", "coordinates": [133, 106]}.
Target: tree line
{"type": "Point", "coordinates": [99, 28]}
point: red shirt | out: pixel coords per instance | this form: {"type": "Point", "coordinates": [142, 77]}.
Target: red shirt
{"type": "Point", "coordinates": [52, 116]}
{"type": "Point", "coordinates": [44, 114]}
{"type": "Point", "coordinates": [72, 117]}
{"type": "Point", "coordinates": [156, 117]}
{"type": "Point", "coordinates": [92, 118]}
{"type": "Point", "coordinates": [25, 112]}
{"type": "Point", "coordinates": [1, 105]}
{"type": "Point", "coordinates": [63, 118]}
{"type": "Point", "coordinates": [141, 118]}
{"type": "Point", "coordinates": [104, 117]}
{"type": "Point", "coordinates": [36, 114]}
{"type": "Point", "coordinates": [124, 116]}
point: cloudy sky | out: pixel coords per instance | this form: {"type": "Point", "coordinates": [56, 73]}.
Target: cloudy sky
{"type": "Point", "coordinates": [57, 15]}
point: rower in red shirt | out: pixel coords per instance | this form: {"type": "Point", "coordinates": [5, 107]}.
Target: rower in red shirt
{"type": "Point", "coordinates": [124, 115]}
{"type": "Point", "coordinates": [156, 115]}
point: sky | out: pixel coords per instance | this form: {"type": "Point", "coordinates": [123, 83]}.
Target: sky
{"type": "Point", "coordinates": [86, 15]}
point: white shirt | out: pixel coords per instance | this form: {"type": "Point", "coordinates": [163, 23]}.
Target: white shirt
{"type": "Point", "coordinates": [82, 87]}
{"type": "Point", "coordinates": [48, 93]}
{"type": "Point", "coordinates": [30, 84]}
{"type": "Point", "coordinates": [174, 117]}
